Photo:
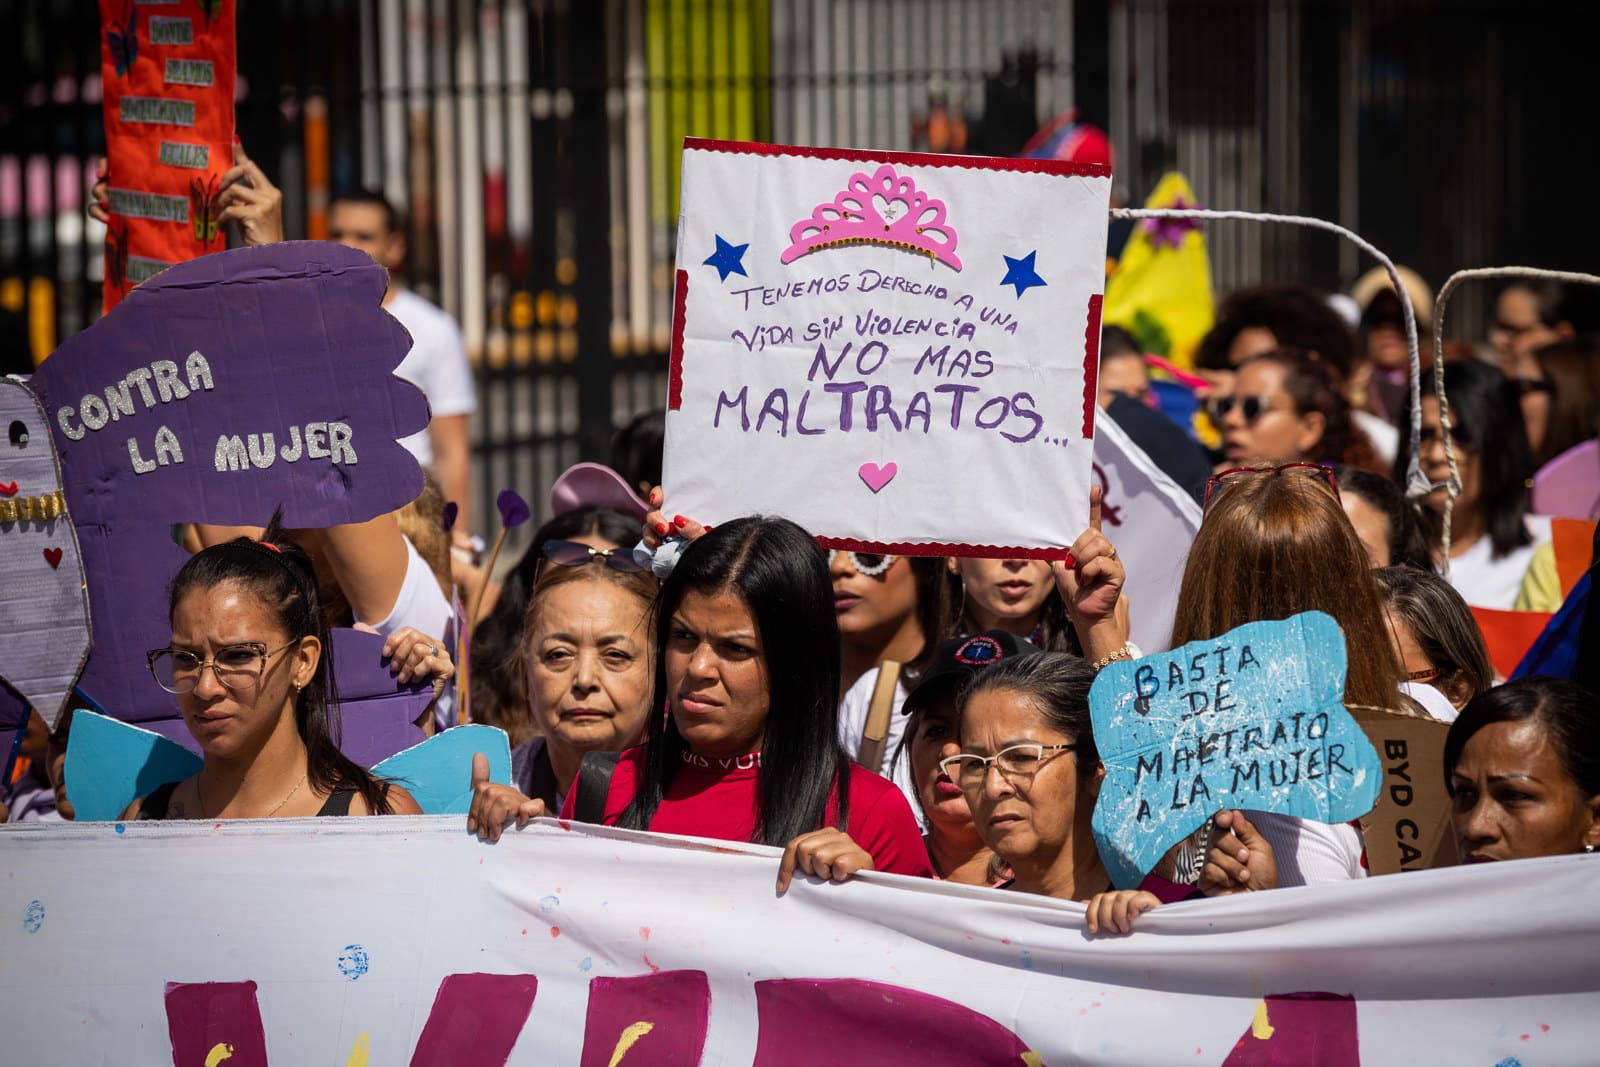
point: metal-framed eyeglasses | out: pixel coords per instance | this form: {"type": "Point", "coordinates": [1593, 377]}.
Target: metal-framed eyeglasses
{"type": "Point", "coordinates": [1016, 763]}
{"type": "Point", "coordinates": [237, 667]}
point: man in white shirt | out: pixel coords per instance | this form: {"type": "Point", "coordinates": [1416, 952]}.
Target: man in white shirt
{"type": "Point", "coordinates": [437, 363]}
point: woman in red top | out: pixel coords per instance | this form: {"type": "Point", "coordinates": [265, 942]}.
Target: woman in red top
{"type": "Point", "coordinates": [748, 666]}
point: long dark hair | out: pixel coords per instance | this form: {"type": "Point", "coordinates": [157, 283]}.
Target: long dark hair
{"type": "Point", "coordinates": [777, 569]}
{"type": "Point", "coordinates": [1486, 416]}
{"type": "Point", "coordinates": [1564, 711]}
{"type": "Point", "coordinates": [1411, 534]}
{"type": "Point", "coordinates": [278, 573]}
{"type": "Point", "coordinates": [1056, 633]}
{"type": "Point", "coordinates": [497, 680]}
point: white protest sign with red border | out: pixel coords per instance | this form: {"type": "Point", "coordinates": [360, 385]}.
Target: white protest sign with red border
{"type": "Point", "coordinates": [897, 351]}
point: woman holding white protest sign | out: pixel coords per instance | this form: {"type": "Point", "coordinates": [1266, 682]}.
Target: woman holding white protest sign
{"type": "Point", "coordinates": [248, 663]}
{"type": "Point", "coordinates": [1074, 607]}
{"type": "Point", "coordinates": [747, 665]}
{"type": "Point", "coordinates": [586, 657]}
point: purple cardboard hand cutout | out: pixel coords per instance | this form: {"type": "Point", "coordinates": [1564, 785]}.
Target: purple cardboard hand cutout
{"type": "Point", "coordinates": [44, 614]}
{"type": "Point", "coordinates": [218, 391]}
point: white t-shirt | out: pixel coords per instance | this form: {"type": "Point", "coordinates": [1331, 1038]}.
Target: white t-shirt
{"type": "Point", "coordinates": [853, 719]}
{"type": "Point", "coordinates": [422, 606]}
{"type": "Point", "coordinates": [1308, 852]}
{"type": "Point", "coordinates": [1484, 582]}
{"type": "Point", "coordinates": [437, 364]}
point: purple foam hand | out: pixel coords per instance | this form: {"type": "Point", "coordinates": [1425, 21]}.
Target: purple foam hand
{"type": "Point", "coordinates": [514, 510]}
{"type": "Point", "coordinates": [218, 391]}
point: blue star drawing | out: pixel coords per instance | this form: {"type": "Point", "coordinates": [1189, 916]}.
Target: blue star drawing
{"type": "Point", "coordinates": [727, 258]}
{"type": "Point", "coordinates": [1020, 273]}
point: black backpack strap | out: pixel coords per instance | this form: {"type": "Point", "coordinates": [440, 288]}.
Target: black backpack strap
{"type": "Point", "coordinates": [593, 785]}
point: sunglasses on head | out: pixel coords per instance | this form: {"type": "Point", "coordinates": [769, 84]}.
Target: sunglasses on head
{"type": "Point", "coordinates": [1251, 407]}
{"type": "Point", "coordinates": [576, 554]}
{"type": "Point", "coordinates": [1217, 484]}
{"type": "Point", "coordinates": [866, 564]}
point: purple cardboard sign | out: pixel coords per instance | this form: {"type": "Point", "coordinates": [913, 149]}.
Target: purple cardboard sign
{"type": "Point", "coordinates": [377, 718]}
{"type": "Point", "coordinates": [44, 611]}
{"type": "Point", "coordinates": [220, 390]}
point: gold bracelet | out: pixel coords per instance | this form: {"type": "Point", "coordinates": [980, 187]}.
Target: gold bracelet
{"type": "Point", "coordinates": [1121, 653]}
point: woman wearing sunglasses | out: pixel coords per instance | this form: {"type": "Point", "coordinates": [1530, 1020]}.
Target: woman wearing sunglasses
{"type": "Point", "coordinates": [885, 608]}
{"type": "Point", "coordinates": [1493, 538]}
{"type": "Point", "coordinates": [1030, 773]}
{"type": "Point", "coordinates": [1276, 542]}
{"type": "Point", "coordinates": [247, 664]}
{"type": "Point", "coordinates": [1288, 407]}
{"type": "Point", "coordinates": [586, 655]}
{"type": "Point", "coordinates": [747, 667]}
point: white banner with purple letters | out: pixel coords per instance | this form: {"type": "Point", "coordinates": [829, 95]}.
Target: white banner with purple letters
{"type": "Point", "coordinates": [387, 941]}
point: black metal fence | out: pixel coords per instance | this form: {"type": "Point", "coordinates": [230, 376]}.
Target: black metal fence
{"type": "Point", "coordinates": [533, 145]}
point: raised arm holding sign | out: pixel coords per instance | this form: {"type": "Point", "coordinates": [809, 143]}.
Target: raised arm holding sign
{"type": "Point", "coordinates": [1253, 719]}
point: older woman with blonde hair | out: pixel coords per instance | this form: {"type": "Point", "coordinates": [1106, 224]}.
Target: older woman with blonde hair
{"type": "Point", "coordinates": [587, 659]}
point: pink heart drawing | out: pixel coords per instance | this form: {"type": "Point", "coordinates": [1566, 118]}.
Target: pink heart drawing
{"type": "Point", "coordinates": [877, 477]}
{"type": "Point", "coordinates": [52, 556]}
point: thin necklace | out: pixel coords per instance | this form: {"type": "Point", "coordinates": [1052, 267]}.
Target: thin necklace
{"type": "Point", "coordinates": [201, 796]}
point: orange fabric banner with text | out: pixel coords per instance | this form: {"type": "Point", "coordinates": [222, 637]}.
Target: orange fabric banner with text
{"type": "Point", "coordinates": [167, 67]}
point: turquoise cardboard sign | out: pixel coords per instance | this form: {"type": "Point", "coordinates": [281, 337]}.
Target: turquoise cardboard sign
{"type": "Point", "coordinates": [438, 772]}
{"type": "Point", "coordinates": [110, 764]}
{"type": "Point", "coordinates": [1254, 719]}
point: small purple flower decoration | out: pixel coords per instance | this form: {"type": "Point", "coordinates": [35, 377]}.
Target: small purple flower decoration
{"type": "Point", "coordinates": [513, 509]}
{"type": "Point", "coordinates": [448, 519]}
{"type": "Point", "coordinates": [1170, 232]}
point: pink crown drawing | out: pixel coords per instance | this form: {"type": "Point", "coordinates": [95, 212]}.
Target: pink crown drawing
{"type": "Point", "coordinates": [884, 209]}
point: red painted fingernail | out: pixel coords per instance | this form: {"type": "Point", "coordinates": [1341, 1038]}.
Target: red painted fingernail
{"type": "Point", "coordinates": [1071, 560]}
{"type": "Point", "coordinates": [661, 528]}
{"type": "Point", "coordinates": [236, 139]}
{"type": "Point", "coordinates": [678, 520]}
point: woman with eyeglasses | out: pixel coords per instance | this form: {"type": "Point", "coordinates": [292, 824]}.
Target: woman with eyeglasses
{"type": "Point", "coordinates": [1050, 605]}
{"type": "Point", "coordinates": [1031, 774]}
{"type": "Point", "coordinates": [586, 652]}
{"type": "Point", "coordinates": [1493, 538]}
{"type": "Point", "coordinates": [747, 668]}
{"type": "Point", "coordinates": [248, 663]}
{"type": "Point", "coordinates": [1288, 406]}
{"type": "Point", "coordinates": [1435, 639]}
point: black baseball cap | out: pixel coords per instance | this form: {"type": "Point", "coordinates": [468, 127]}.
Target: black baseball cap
{"type": "Point", "coordinates": [959, 659]}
